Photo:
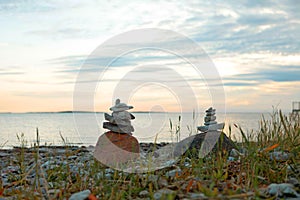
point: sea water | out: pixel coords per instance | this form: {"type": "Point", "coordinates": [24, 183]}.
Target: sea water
{"type": "Point", "coordinates": [85, 128]}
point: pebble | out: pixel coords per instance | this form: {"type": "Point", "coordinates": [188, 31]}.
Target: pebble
{"type": "Point", "coordinates": [80, 195]}
{"type": "Point", "coordinates": [144, 194]}
{"type": "Point", "coordinates": [164, 194]}
{"type": "Point", "coordinates": [282, 190]}
{"type": "Point", "coordinates": [230, 158]}
{"type": "Point", "coordinates": [162, 182]}
{"type": "Point", "coordinates": [294, 182]}
{"type": "Point", "coordinates": [279, 156]}
{"type": "Point", "coordinates": [72, 157]}
{"type": "Point", "coordinates": [173, 173]}
{"type": "Point", "coordinates": [197, 196]}
{"type": "Point", "coordinates": [53, 192]}
{"type": "Point", "coordinates": [235, 153]}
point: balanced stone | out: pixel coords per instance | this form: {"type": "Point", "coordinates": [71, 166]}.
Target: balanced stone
{"type": "Point", "coordinates": [118, 120]}
{"type": "Point", "coordinates": [210, 110]}
{"type": "Point", "coordinates": [210, 113]}
{"type": "Point", "coordinates": [210, 123]}
{"type": "Point", "coordinates": [118, 107]}
{"type": "Point", "coordinates": [117, 146]}
{"type": "Point", "coordinates": [118, 128]}
{"type": "Point", "coordinates": [209, 118]}
{"type": "Point", "coordinates": [123, 115]}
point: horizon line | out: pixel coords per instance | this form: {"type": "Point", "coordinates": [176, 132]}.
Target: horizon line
{"type": "Point", "coordinates": [70, 111]}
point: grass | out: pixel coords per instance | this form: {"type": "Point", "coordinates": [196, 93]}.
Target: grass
{"type": "Point", "coordinates": [215, 177]}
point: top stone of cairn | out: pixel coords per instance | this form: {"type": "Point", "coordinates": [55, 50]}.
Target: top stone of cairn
{"type": "Point", "coordinates": [210, 112]}
{"type": "Point", "coordinates": [210, 123]}
{"type": "Point", "coordinates": [119, 107]}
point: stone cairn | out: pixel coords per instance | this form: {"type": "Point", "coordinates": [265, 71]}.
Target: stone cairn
{"type": "Point", "coordinates": [119, 121]}
{"type": "Point", "coordinates": [210, 123]}
{"type": "Point", "coordinates": [204, 143]}
{"type": "Point", "coordinates": [117, 146]}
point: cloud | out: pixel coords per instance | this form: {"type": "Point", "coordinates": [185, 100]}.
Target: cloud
{"type": "Point", "coordinates": [273, 73]}
{"type": "Point", "coordinates": [11, 71]}
{"type": "Point", "coordinates": [260, 38]}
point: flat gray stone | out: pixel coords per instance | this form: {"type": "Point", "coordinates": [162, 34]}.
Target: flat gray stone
{"type": "Point", "coordinates": [212, 127]}
{"type": "Point", "coordinates": [118, 107]}
{"type": "Point", "coordinates": [80, 195]}
{"type": "Point", "coordinates": [144, 194]}
{"type": "Point", "coordinates": [124, 115]}
{"type": "Point", "coordinates": [164, 194]}
{"type": "Point", "coordinates": [280, 156]}
{"type": "Point", "coordinates": [118, 128]}
{"type": "Point", "coordinates": [210, 123]}
{"type": "Point", "coordinates": [210, 114]}
{"type": "Point", "coordinates": [209, 118]}
{"type": "Point", "coordinates": [282, 190]}
{"type": "Point", "coordinates": [117, 121]}
{"type": "Point", "coordinates": [210, 110]}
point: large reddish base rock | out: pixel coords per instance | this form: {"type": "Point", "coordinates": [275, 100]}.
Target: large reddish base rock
{"type": "Point", "coordinates": [113, 148]}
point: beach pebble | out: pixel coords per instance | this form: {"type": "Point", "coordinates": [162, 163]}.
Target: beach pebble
{"type": "Point", "coordinates": [293, 181]}
{"type": "Point", "coordinates": [3, 154]}
{"type": "Point", "coordinates": [53, 192]}
{"type": "Point", "coordinates": [144, 194]}
{"type": "Point", "coordinates": [197, 196]}
{"type": "Point", "coordinates": [173, 173]}
{"type": "Point", "coordinates": [80, 195]}
{"type": "Point", "coordinates": [279, 156]}
{"type": "Point", "coordinates": [109, 170]}
{"type": "Point", "coordinates": [108, 176]}
{"type": "Point", "coordinates": [164, 194]}
{"type": "Point", "coordinates": [153, 178]}
{"type": "Point", "coordinates": [230, 158]}
{"type": "Point", "coordinates": [72, 157]}
{"type": "Point", "coordinates": [282, 190]}
{"type": "Point", "coordinates": [234, 153]}
{"type": "Point", "coordinates": [162, 182]}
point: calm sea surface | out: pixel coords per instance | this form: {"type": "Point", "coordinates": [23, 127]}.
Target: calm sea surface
{"type": "Point", "coordinates": [85, 128]}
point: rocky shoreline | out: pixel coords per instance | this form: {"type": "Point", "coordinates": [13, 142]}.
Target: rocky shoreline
{"type": "Point", "coordinates": [24, 168]}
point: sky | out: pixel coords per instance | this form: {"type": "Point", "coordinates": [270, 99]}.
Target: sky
{"type": "Point", "coordinates": [254, 45]}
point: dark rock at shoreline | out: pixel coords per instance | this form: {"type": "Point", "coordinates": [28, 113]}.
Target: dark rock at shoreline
{"type": "Point", "coordinates": [214, 141]}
